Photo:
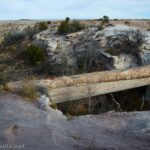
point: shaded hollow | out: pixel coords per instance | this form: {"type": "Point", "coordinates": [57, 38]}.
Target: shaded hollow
{"type": "Point", "coordinates": [129, 100]}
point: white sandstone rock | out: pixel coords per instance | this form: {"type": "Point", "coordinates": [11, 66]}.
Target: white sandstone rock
{"type": "Point", "coordinates": [44, 102]}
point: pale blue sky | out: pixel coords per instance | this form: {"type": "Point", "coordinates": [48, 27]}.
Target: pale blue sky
{"type": "Point", "coordinates": [79, 9]}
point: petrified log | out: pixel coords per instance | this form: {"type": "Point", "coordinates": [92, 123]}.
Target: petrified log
{"type": "Point", "coordinates": [89, 84]}
{"type": "Point", "coordinates": [71, 93]}
{"type": "Point", "coordinates": [88, 78]}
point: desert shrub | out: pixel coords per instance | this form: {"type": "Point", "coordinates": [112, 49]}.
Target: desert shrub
{"type": "Point", "coordinates": [41, 26]}
{"type": "Point", "coordinates": [64, 28]}
{"type": "Point", "coordinates": [69, 27]}
{"type": "Point", "coordinates": [14, 37]}
{"type": "Point", "coordinates": [67, 19]}
{"type": "Point", "coordinates": [30, 31]}
{"type": "Point", "coordinates": [100, 19]}
{"type": "Point", "coordinates": [76, 26]}
{"type": "Point", "coordinates": [49, 22]}
{"type": "Point", "coordinates": [103, 22]}
{"type": "Point", "coordinates": [17, 36]}
{"type": "Point", "coordinates": [100, 27]}
{"type": "Point", "coordinates": [116, 19]}
{"type": "Point", "coordinates": [113, 51]}
{"type": "Point", "coordinates": [38, 27]}
{"type": "Point", "coordinates": [105, 19]}
{"type": "Point", "coordinates": [29, 91]}
{"type": "Point", "coordinates": [130, 42]}
{"type": "Point", "coordinates": [35, 54]}
{"type": "Point", "coordinates": [85, 61]}
{"type": "Point", "coordinates": [127, 22]}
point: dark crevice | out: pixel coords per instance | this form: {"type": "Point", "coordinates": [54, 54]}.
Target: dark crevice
{"type": "Point", "coordinates": [129, 100]}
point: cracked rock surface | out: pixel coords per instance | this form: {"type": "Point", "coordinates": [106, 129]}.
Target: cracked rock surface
{"type": "Point", "coordinates": [21, 122]}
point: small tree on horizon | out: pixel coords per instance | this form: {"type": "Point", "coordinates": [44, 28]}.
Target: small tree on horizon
{"type": "Point", "coordinates": [67, 19]}
{"type": "Point", "coordinates": [105, 19]}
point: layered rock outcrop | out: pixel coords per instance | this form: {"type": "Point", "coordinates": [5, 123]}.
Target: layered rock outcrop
{"type": "Point", "coordinates": [63, 50]}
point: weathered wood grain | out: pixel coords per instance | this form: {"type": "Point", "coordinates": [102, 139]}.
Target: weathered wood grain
{"type": "Point", "coordinates": [71, 93]}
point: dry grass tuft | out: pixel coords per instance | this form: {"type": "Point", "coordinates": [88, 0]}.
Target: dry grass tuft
{"type": "Point", "coordinates": [53, 105]}
{"type": "Point", "coordinates": [29, 91]}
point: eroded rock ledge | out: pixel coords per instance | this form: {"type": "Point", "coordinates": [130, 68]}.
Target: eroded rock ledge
{"type": "Point", "coordinates": [23, 123]}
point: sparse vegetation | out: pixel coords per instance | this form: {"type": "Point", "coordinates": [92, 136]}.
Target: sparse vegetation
{"type": "Point", "coordinates": [14, 37]}
{"type": "Point", "coordinates": [130, 42]}
{"type": "Point", "coordinates": [76, 26]}
{"type": "Point", "coordinates": [49, 22]}
{"type": "Point", "coordinates": [68, 26]}
{"type": "Point", "coordinates": [15, 68]}
{"type": "Point", "coordinates": [29, 91]}
{"type": "Point", "coordinates": [85, 61]}
{"type": "Point", "coordinates": [67, 19]}
{"type": "Point", "coordinates": [38, 27]}
{"type": "Point", "coordinates": [63, 28]}
{"type": "Point", "coordinates": [104, 21]}
{"type": "Point", "coordinates": [41, 26]}
{"type": "Point", "coordinates": [17, 36]}
{"type": "Point", "coordinates": [47, 76]}
{"type": "Point", "coordinates": [35, 54]}
{"type": "Point", "coordinates": [127, 22]}
{"type": "Point", "coordinates": [113, 51]}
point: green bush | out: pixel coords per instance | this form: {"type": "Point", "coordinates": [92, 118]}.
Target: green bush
{"type": "Point", "coordinates": [67, 19]}
{"type": "Point", "coordinates": [64, 28]}
{"type": "Point", "coordinates": [49, 22]}
{"type": "Point", "coordinates": [40, 26]}
{"type": "Point", "coordinates": [35, 54]}
{"type": "Point", "coordinates": [105, 19]}
{"type": "Point", "coordinates": [30, 31]}
{"type": "Point", "coordinates": [69, 27]}
{"type": "Point", "coordinates": [76, 26]}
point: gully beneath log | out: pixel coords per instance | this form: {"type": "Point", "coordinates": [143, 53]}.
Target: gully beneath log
{"type": "Point", "coordinates": [137, 99]}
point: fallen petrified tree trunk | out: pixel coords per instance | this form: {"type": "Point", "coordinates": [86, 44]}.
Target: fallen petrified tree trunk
{"type": "Point", "coordinates": [97, 83]}
{"type": "Point", "coordinates": [71, 93]}
{"type": "Point", "coordinates": [89, 78]}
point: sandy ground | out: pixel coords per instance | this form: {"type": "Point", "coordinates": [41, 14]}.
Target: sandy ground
{"type": "Point", "coordinates": [22, 122]}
